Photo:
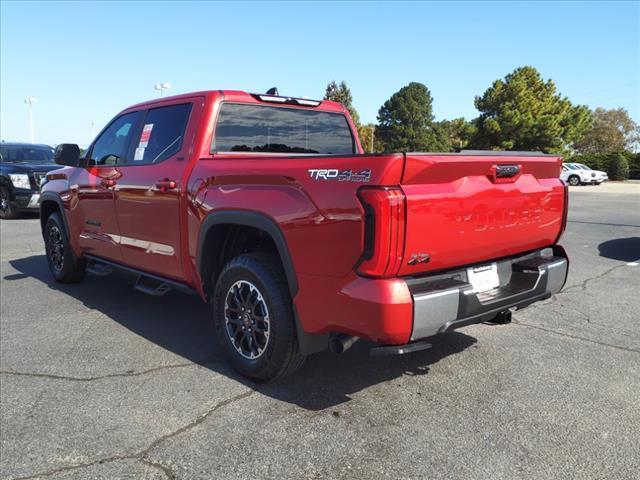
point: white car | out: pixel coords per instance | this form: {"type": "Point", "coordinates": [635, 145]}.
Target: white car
{"type": "Point", "coordinates": [579, 174]}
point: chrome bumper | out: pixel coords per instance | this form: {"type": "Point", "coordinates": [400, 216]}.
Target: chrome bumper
{"type": "Point", "coordinates": [447, 301]}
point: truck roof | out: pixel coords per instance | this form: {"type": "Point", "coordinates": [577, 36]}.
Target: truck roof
{"type": "Point", "coordinates": [246, 97]}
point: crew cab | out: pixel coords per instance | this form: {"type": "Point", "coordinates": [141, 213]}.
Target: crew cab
{"type": "Point", "coordinates": [23, 167]}
{"type": "Point", "coordinates": [266, 206]}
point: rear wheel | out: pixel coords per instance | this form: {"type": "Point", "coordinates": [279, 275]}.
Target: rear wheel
{"type": "Point", "coordinates": [254, 319]}
{"type": "Point", "coordinates": [574, 180]}
{"type": "Point", "coordinates": [63, 264]}
{"type": "Point", "coordinates": [7, 209]}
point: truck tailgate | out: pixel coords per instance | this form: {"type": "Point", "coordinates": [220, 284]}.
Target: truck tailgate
{"type": "Point", "coordinates": [464, 209]}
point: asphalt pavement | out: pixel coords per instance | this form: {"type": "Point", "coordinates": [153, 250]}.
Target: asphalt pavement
{"type": "Point", "coordinates": [100, 381]}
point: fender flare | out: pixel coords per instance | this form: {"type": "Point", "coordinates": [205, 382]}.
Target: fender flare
{"type": "Point", "coordinates": [250, 219]}
{"type": "Point", "coordinates": [307, 343]}
{"type": "Point", "coordinates": [53, 197]}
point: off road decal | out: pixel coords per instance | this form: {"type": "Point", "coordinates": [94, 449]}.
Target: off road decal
{"type": "Point", "coordinates": [340, 175]}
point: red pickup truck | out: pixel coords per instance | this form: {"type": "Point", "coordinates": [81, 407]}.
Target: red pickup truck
{"type": "Point", "coordinates": [266, 206]}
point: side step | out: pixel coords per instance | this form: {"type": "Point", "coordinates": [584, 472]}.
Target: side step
{"type": "Point", "coordinates": [400, 349]}
{"type": "Point", "coordinates": [99, 269]}
{"type": "Point", "coordinates": [146, 282]}
{"type": "Point", "coordinates": [151, 286]}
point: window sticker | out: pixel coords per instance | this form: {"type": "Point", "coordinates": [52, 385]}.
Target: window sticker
{"type": "Point", "coordinates": [139, 155]}
{"type": "Point", "coordinates": [145, 135]}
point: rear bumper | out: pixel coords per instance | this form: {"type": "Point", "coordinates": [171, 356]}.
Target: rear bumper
{"type": "Point", "coordinates": [400, 311]}
{"type": "Point", "coordinates": [446, 302]}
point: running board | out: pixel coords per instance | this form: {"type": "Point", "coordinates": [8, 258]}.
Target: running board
{"type": "Point", "coordinates": [151, 286]}
{"type": "Point", "coordinates": [99, 269]}
{"type": "Point", "coordinates": [399, 349]}
{"type": "Point", "coordinates": [146, 282]}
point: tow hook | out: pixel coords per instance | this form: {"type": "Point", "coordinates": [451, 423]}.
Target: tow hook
{"type": "Point", "coordinates": [502, 318]}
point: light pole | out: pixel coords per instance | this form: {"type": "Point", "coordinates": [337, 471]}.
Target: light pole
{"type": "Point", "coordinates": [162, 86]}
{"type": "Point", "coordinates": [30, 101]}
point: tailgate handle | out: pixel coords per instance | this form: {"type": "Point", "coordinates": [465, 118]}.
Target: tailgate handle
{"type": "Point", "coordinates": [503, 173]}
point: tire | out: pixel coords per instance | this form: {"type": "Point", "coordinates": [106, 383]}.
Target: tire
{"type": "Point", "coordinates": [8, 210]}
{"type": "Point", "coordinates": [597, 183]}
{"type": "Point", "coordinates": [574, 180]}
{"type": "Point", "coordinates": [254, 320]}
{"type": "Point", "coordinates": [63, 264]}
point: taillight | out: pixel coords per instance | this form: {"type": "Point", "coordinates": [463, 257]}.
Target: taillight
{"type": "Point", "coordinates": [384, 225]}
{"type": "Point", "coordinates": [565, 211]}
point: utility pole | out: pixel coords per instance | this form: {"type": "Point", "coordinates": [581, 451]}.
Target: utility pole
{"type": "Point", "coordinates": [30, 101]}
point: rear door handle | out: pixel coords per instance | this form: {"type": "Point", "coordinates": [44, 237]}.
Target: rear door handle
{"type": "Point", "coordinates": [166, 184]}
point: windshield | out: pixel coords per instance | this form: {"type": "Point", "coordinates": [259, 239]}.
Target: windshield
{"type": "Point", "coordinates": [26, 154]}
{"type": "Point", "coordinates": [583, 167]}
{"type": "Point", "coordinates": [571, 166]}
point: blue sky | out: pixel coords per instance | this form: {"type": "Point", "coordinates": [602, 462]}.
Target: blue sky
{"type": "Point", "coordinates": [86, 61]}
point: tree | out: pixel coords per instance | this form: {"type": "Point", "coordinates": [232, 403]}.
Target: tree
{"type": "Point", "coordinates": [524, 112]}
{"type": "Point", "coordinates": [365, 132]}
{"type": "Point", "coordinates": [454, 134]}
{"type": "Point", "coordinates": [406, 120]}
{"type": "Point", "coordinates": [612, 131]}
{"type": "Point", "coordinates": [619, 167]}
{"type": "Point", "coordinates": [341, 93]}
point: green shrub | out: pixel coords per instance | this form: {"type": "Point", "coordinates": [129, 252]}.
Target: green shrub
{"type": "Point", "coordinates": [634, 165]}
{"type": "Point", "coordinates": [618, 167]}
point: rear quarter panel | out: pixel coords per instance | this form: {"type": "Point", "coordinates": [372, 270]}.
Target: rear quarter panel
{"type": "Point", "coordinates": [321, 219]}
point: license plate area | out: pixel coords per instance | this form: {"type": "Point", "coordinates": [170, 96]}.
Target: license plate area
{"type": "Point", "coordinates": [483, 277]}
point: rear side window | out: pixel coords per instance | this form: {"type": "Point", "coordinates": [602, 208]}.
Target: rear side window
{"type": "Point", "coordinates": [162, 134]}
{"type": "Point", "coordinates": [255, 128]}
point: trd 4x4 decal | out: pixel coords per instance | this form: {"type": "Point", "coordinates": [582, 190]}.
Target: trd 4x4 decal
{"type": "Point", "coordinates": [341, 176]}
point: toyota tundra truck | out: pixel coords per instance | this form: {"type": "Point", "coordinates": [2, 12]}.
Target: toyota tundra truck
{"type": "Point", "coordinates": [267, 207]}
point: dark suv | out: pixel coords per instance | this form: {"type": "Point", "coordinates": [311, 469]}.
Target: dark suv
{"type": "Point", "coordinates": [23, 168]}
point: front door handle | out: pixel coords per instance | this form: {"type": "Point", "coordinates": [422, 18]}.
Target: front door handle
{"type": "Point", "coordinates": [165, 184]}
{"type": "Point", "coordinates": [108, 182]}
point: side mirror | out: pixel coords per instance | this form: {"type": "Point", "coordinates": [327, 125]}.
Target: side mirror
{"type": "Point", "coordinates": [67, 154]}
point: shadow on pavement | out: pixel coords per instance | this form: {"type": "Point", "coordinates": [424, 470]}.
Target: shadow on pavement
{"type": "Point", "coordinates": [181, 324]}
{"type": "Point", "coordinates": [623, 249]}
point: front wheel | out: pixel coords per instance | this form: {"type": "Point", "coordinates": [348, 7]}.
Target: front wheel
{"type": "Point", "coordinates": [7, 209]}
{"type": "Point", "coordinates": [574, 180]}
{"type": "Point", "coordinates": [63, 264]}
{"type": "Point", "coordinates": [254, 319]}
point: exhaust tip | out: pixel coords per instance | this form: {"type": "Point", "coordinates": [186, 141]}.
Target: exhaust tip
{"type": "Point", "coordinates": [341, 343]}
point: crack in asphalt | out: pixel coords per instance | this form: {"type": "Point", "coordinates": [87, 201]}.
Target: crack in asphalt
{"type": "Point", "coordinates": [576, 337]}
{"type": "Point", "coordinates": [142, 455]}
{"type": "Point", "coordinates": [583, 285]}
{"type": "Point", "coordinates": [572, 289]}
{"type": "Point", "coordinates": [130, 373]}
{"type": "Point", "coordinates": [100, 377]}
{"type": "Point", "coordinates": [167, 471]}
